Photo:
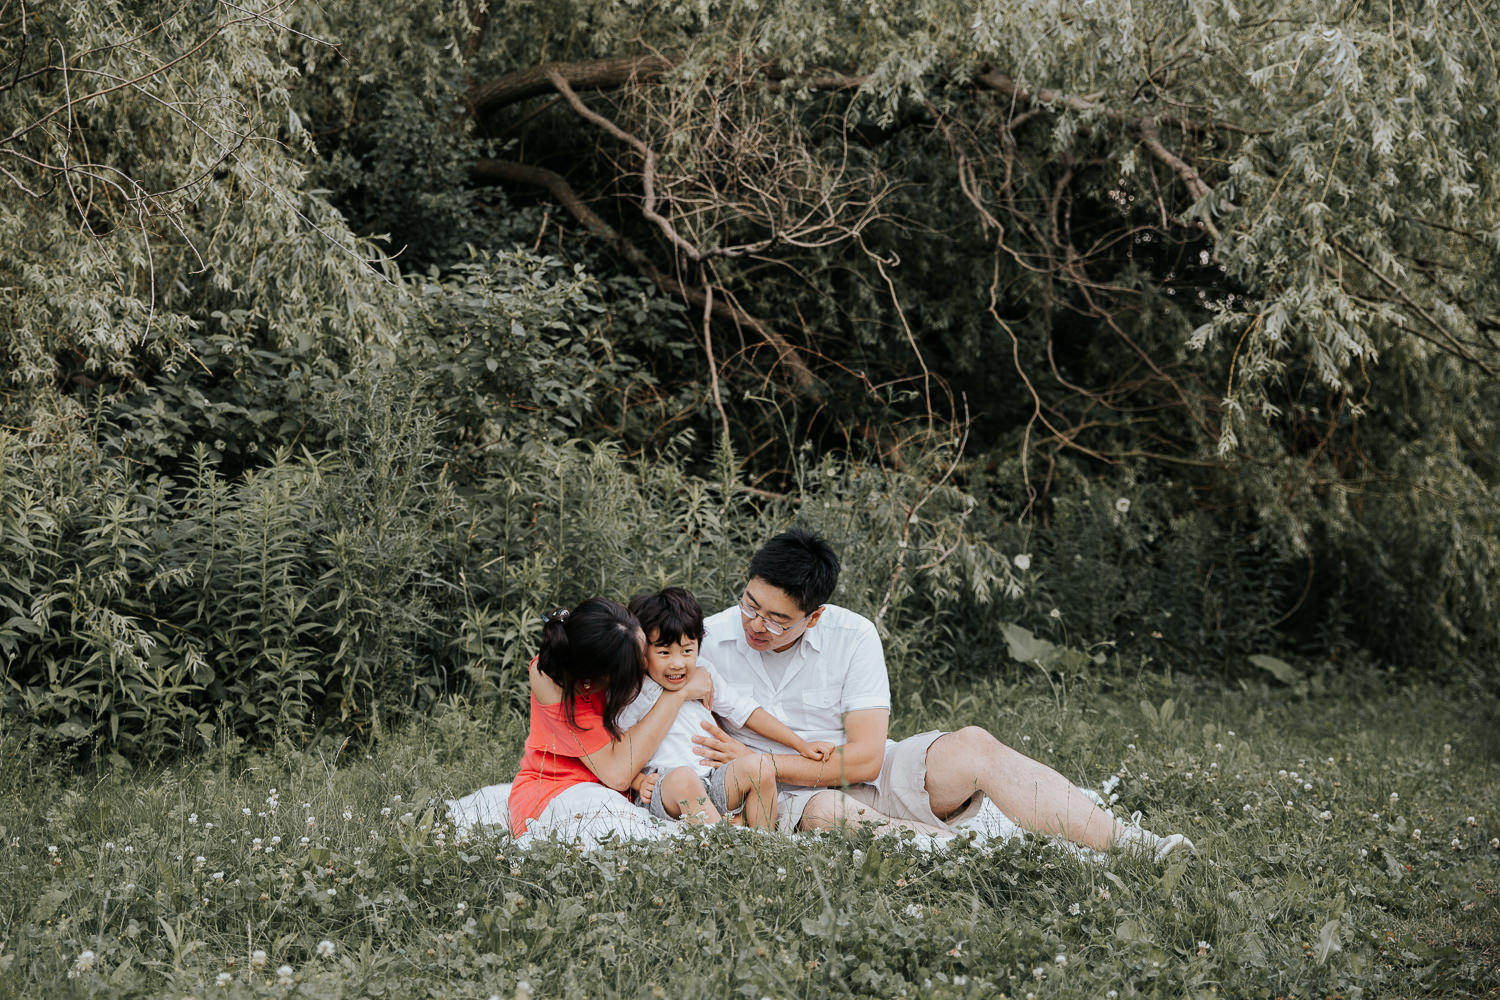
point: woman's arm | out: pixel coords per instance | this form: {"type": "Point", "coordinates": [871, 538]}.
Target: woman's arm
{"type": "Point", "coordinates": [622, 759]}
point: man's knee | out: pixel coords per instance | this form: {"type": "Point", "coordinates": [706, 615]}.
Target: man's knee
{"type": "Point", "coordinates": [969, 743]}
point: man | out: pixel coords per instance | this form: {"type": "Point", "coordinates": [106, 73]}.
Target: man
{"type": "Point", "coordinates": [821, 669]}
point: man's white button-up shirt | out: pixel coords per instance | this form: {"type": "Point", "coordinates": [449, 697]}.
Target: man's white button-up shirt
{"type": "Point", "coordinates": [838, 666]}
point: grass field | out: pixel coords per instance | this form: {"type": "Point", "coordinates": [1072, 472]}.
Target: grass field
{"type": "Point", "coordinates": [1346, 833]}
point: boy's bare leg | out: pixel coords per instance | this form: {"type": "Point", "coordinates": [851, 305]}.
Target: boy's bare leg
{"type": "Point", "coordinates": [752, 780]}
{"type": "Point", "coordinates": [684, 797]}
{"type": "Point", "coordinates": [833, 808]}
{"type": "Point", "coordinates": [1032, 794]}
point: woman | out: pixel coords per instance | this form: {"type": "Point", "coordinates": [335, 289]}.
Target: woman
{"type": "Point", "coordinates": [577, 761]}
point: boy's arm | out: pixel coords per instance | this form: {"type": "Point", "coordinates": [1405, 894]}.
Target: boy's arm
{"type": "Point", "coordinates": [858, 759]}
{"type": "Point", "coordinates": [769, 726]}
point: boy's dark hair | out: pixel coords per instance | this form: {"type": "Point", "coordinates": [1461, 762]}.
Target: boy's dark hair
{"type": "Point", "coordinates": [668, 616]}
{"type": "Point", "coordinates": [801, 563]}
{"type": "Point", "coordinates": [594, 641]}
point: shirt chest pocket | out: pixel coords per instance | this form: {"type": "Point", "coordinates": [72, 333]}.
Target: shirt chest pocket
{"type": "Point", "coordinates": [824, 708]}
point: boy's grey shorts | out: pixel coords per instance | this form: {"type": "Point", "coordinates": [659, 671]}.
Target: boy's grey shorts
{"type": "Point", "coordinates": [717, 794]}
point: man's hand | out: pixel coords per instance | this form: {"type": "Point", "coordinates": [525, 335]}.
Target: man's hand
{"type": "Point", "coordinates": [644, 786]}
{"type": "Point", "coordinates": [716, 747]}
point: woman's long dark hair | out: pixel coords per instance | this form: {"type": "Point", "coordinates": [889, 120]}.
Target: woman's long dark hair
{"type": "Point", "coordinates": [598, 640]}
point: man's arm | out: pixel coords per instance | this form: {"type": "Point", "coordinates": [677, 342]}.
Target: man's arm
{"type": "Point", "coordinates": [858, 759]}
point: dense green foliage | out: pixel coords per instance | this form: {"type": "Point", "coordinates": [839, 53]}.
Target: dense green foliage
{"type": "Point", "coordinates": [337, 341]}
{"type": "Point", "coordinates": [1352, 860]}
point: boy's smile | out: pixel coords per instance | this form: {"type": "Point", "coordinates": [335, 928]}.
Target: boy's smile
{"type": "Point", "coordinates": [669, 664]}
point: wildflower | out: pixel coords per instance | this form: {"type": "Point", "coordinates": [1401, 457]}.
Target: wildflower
{"type": "Point", "coordinates": [1130, 746]}
{"type": "Point", "coordinates": [312, 821]}
{"type": "Point", "coordinates": [276, 839]}
{"type": "Point", "coordinates": [255, 842]}
{"type": "Point", "coordinates": [1022, 561]}
{"type": "Point", "coordinates": [1104, 892]}
{"type": "Point", "coordinates": [1203, 947]}
{"type": "Point", "coordinates": [325, 948]}
{"type": "Point", "coordinates": [331, 894]}
{"type": "Point", "coordinates": [1122, 505]}
{"type": "Point", "coordinates": [1472, 821]}
{"type": "Point", "coordinates": [1395, 797]}
{"type": "Point", "coordinates": [913, 910]}
{"type": "Point", "coordinates": [1495, 843]}
{"type": "Point", "coordinates": [245, 811]}
{"type": "Point", "coordinates": [83, 963]}
{"type": "Point", "coordinates": [284, 975]}
{"type": "Point", "coordinates": [51, 848]}
{"type": "Point", "coordinates": [1112, 994]}
{"type": "Point", "coordinates": [461, 907]}
{"type": "Point", "coordinates": [1061, 959]}
{"type": "Point", "coordinates": [385, 811]}
{"type": "Point", "coordinates": [857, 856]}
{"type": "Point", "coordinates": [1416, 833]}
{"type": "Point", "coordinates": [223, 979]}
{"type": "Point", "coordinates": [1307, 786]}
{"type": "Point", "coordinates": [217, 876]}
{"type": "Point", "coordinates": [192, 819]}
{"type": "Point", "coordinates": [1075, 910]}
{"type": "Point", "coordinates": [257, 959]}
{"type": "Point", "coordinates": [1364, 853]}
{"type": "Point", "coordinates": [1246, 807]}
{"type": "Point", "coordinates": [955, 951]}
{"type": "Point", "coordinates": [1325, 814]}
{"type": "Point", "coordinates": [1454, 844]}
{"type": "Point", "coordinates": [1040, 972]}
{"type": "Point", "coordinates": [348, 815]}
{"type": "Point", "coordinates": [1055, 613]}
{"type": "Point", "coordinates": [395, 798]}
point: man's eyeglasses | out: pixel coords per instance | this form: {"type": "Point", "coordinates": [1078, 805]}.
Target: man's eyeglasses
{"type": "Point", "coordinates": [773, 627]}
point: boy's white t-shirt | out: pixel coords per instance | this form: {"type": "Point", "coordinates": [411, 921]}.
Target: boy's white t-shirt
{"type": "Point", "coordinates": [676, 749]}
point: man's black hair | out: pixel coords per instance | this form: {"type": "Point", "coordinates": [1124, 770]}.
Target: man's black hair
{"type": "Point", "coordinates": [800, 563]}
{"type": "Point", "coordinates": [669, 616]}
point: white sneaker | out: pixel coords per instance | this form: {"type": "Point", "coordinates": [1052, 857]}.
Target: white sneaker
{"type": "Point", "coordinates": [1135, 839]}
{"type": "Point", "coordinates": [989, 825]}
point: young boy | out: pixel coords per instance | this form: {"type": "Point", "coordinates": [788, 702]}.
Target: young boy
{"type": "Point", "coordinates": [676, 784]}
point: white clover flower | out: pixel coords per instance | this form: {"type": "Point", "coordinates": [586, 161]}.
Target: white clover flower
{"type": "Point", "coordinates": [325, 946]}
{"type": "Point", "coordinates": [1472, 821]}
{"type": "Point", "coordinates": [1455, 844]}
{"type": "Point", "coordinates": [1395, 797]}
{"type": "Point", "coordinates": [1040, 972]}
{"type": "Point", "coordinates": [1246, 807]}
{"type": "Point", "coordinates": [200, 860]}
{"type": "Point", "coordinates": [1307, 786]}
{"type": "Point", "coordinates": [245, 811]}
{"type": "Point", "coordinates": [276, 839]}
{"type": "Point", "coordinates": [223, 979]}
{"type": "Point", "coordinates": [51, 848]}
{"type": "Point", "coordinates": [1416, 833]}
{"type": "Point", "coordinates": [1495, 843]}
{"type": "Point", "coordinates": [284, 975]}
{"type": "Point", "coordinates": [1112, 994]}
{"type": "Point", "coordinates": [461, 907]}
{"type": "Point", "coordinates": [348, 815]}
{"type": "Point", "coordinates": [1061, 959]}
{"type": "Point", "coordinates": [1364, 853]}
{"type": "Point", "coordinates": [1325, 814]}
{"type": "Point", "coordinates": [312, 821]}
{"type": "Point", "coordinates": [1281, 773]}
{"type": "Point", "coordinates": [192, 819]}
{"type": "Point", "coordinates": [1022, 561]}
{"type": "Point", "coordinates": [255, 842]}
{"type": "Point", "coordinates": [395, 798]}
{"type": "Point", "coordinates": [217, 876]}
{"type": "Point", "coordinates": [385, 810]}
{"type": "Point", "coordinates": [1202, 947]}
{"type": "Point", "coordinates": [331, 893]}
{"type": "Point", "coordinates": [1122, 505]}
{"type": "Point", "coordinates": [85, 961]}
{"type": "Point", "coordinates": [1075, 910]}
{"type": "Point", "coordinates": [1055, 613]}
{"type": "Point", "coordinates": [109, 845]}
{"type": "Point", "coordinates": [857, 856]}
{"type": "Point", "coordinates": [913, 910]}
{"type": "Point", "coordinates": [257, 959]}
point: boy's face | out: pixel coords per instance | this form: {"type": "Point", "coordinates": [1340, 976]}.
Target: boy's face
{"type": "Point", "coordinates": [669, 663]}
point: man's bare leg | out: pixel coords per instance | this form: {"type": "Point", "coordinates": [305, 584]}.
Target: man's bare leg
{"type": "Point", "coordinates": [1032, 794]}
{"type": "Point", "coordinates": [833, 808]}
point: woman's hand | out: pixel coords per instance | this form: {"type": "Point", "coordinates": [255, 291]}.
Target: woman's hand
{"type": "Point", "coordinates": [699, 687]}
{"type": "Point", "coordinates": [717, 747]}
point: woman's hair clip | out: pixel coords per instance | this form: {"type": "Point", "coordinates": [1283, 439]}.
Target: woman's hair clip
{"type": "Point", "coordinates": [558, 615]}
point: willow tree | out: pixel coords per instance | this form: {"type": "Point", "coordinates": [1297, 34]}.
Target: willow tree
{"type": "Point", "coordinates": [1248, 249]}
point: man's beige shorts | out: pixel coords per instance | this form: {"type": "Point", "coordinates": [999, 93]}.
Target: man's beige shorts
{"type": "Point", "coordinates": [900, 791]}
